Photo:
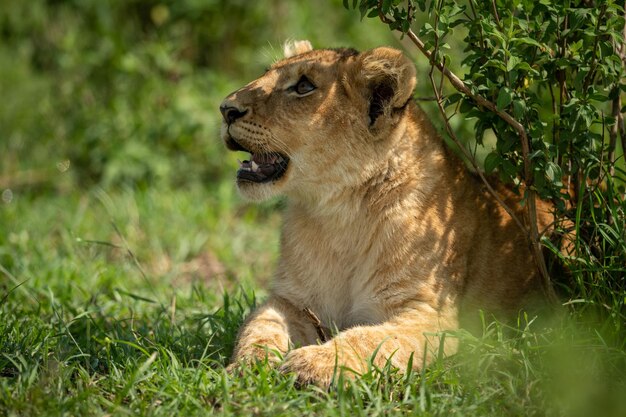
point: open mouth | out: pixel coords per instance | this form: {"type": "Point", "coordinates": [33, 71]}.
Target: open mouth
{"type": "Point", "coordinates": [261, 167]}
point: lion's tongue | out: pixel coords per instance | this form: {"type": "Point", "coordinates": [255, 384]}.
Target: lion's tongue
{"type": "Point", "coordinates": [261, 165]}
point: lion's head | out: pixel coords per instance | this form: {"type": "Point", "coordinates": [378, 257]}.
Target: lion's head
{"type": "Point", "coordinates": [317, 119]}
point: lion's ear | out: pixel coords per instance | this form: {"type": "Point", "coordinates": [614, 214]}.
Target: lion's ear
{"type": "Point", "coordinates": [293, 48]}
{"type": "Point", "coordinates": [389, 80]}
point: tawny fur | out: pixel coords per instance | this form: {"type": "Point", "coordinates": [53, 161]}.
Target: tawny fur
{"type": "Point", "coordinates": [386, 238]}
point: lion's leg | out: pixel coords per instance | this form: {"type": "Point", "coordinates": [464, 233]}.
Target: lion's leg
{"type": "Point", "coordinates": [273, 328]}
{"type": "Point", "coordinates": [411, 334]}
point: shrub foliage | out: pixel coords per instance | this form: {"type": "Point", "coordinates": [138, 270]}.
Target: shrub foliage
{"type": "Point", "coordinates": [546, 79]}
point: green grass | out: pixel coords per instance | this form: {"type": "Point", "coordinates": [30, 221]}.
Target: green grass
{"type": "Point", "coordinates": [128, 303]}
{"type": "Point", "coordinates": [127, 261]}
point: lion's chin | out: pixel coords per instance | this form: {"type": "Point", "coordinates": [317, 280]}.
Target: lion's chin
{"type": "Point", "coordinates": [255, 191]}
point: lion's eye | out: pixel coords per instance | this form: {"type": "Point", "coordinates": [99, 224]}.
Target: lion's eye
{"type": "Point", "coordinates": [303, 86]}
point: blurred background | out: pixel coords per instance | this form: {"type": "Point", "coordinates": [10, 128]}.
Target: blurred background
{"type": "Point", "coordinates": [109, 129]}
{"type": "Point", "coordinates": [125, 92]}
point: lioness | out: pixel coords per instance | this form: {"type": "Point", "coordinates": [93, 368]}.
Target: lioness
{"type": "Point", "coordinates": [386, 239]}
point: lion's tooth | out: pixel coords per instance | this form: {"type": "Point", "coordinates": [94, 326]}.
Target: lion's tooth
{"type": "Point", "coordinates": [255, 167]}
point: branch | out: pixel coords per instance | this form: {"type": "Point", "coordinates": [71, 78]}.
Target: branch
{"type": "Point", "coordinates": [471, 158]}
{"type": "Point", "coordinates": [531, 212]}
{"type": "Point", "coordinates": [461, 87]}
{"type": "Point", "coordinates": [621, 50]}
{"type": "Point", "coordinates": [439, 99]}
{"type": "Point", "coordinates": [495, 13]}
{"type": "Point", "coordinates": [317, 323]}
{"type": "Point", "coordinates": [614, 131]}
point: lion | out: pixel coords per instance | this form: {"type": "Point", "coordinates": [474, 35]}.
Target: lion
{"type": "Point", "coordinates": [388, 241]}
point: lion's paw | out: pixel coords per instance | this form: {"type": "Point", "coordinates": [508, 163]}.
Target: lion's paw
{"type": "Point", "coordinates": [311, 365]}
{"type": "Point", "coordinates": [316, 365]}
{"type": "Point", "coordinates": [251, 356]}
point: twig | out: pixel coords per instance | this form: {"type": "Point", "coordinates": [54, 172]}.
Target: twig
{"type": "Point", "coordinates": [592, 72]}
{"type": "Point", "coordinates": [317, 323]}
{"type": "Point", "coordinates": [438, 95]}
{"type": "Point", "coordinates": [495, 13]}
{"type": "Point", "coordinates": [556, 137]}
{"type": "Point", "coordinates": [531, 212]}
{"type": "Point", "coordinates": [472, 160]}
{"type": "Point", "coordinates": [572, 180]}
{"type": "Point", "coordinates": [482, 40]}
{"type": "Point", "coordinates": [622, 135]}
{"type": "Point", "coordinates": [621, 51]}
{"type": "Point", "coordinates": [614, 131]}
{"type": "Point", "coordinates": [427, 98]}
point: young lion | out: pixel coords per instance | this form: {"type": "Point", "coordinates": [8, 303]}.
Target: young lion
{"type": "Point", "coordinates": [386, 238]}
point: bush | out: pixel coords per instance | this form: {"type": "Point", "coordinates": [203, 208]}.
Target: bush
{"type": "Point", "coordinates": [546, 79]}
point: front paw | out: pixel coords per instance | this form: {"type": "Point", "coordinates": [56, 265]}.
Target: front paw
{"type": "Point", "coordinates": [253, 355]}
{"type": "Point", "coordinates": [318, 365]}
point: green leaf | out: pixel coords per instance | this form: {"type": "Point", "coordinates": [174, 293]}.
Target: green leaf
{"type": "Point", "coordinates": [363, 9]}
{"type": "Point", "coordinates": [553, 172]}
{"type": "Point", "coordinates": [599, 97]}
{"type": "Point", "coordinates": [508, 168]}
{"type": "Point", "coordinates": [525, 41]}
{"type": "Point", "coordinates": [512, 63]}
{"type": "Point", "coordinates": [505, 96]}
{"type": "Point", "coordinates": [453, 98]}
{"type": "Point", "coordinates": [492, 161]}
{"type": "Point", "coordinates": [496, 63]}
{"type": "Point", "coordinates": [386, 5]}
{"type": "Point", "coordinates": [466, 106]}
{"type": "Point", "coordinates": [519, 108]}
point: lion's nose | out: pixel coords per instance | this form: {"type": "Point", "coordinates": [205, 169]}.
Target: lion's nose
{"type": "Point", "coordinates": [231, 113]}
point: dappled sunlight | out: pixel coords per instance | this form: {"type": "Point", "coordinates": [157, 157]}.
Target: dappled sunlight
{"type": "Point", "coordinates": [129, 261]}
